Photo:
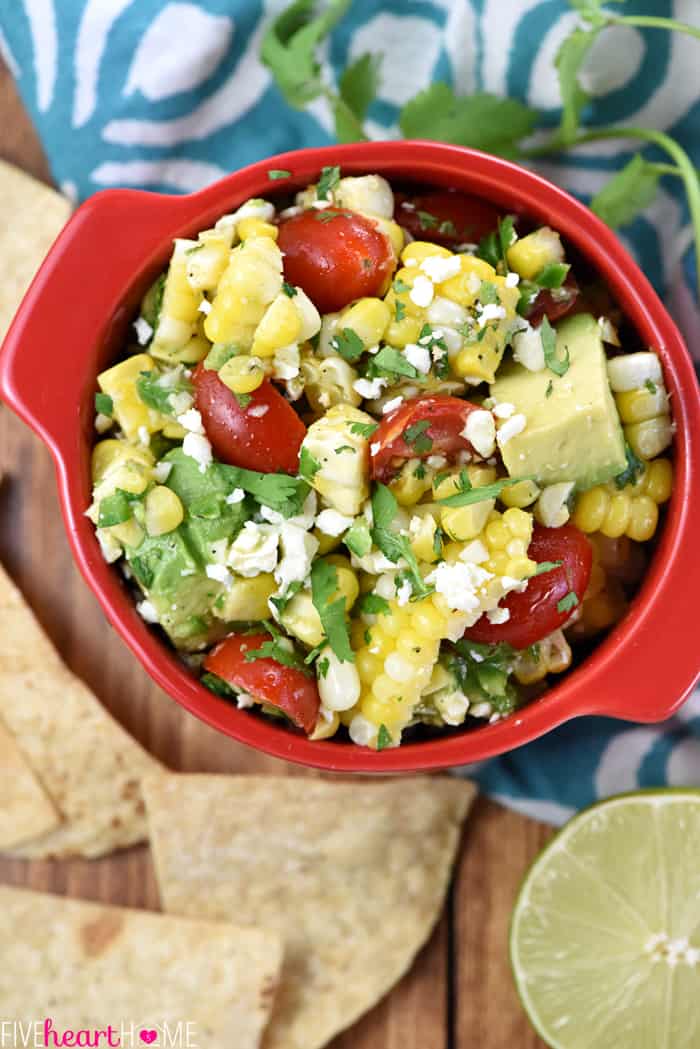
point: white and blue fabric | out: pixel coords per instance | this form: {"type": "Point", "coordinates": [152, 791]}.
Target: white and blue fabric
{"type": "Point", "coordinates": [170, 95]}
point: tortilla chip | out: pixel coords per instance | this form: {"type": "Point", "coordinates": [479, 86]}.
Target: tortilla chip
{"type": "Point", "coordinates": [351, 875]}
{"type": "Point", "coordinates": [89, 766]}
{"type": "Point", "coordinates": [86, 965]}
{"type": "Point", "coordinates": [25, 809]}
{"type": "Point", "coordinates": [31, 217]}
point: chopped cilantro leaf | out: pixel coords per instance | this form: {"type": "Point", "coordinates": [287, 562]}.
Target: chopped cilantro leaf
{"type": "Point", "coordinates": [506, 236]}
{"type": "Point", "coordinates": [280, 492]}
{"type": "Point", "coordinates": [467, 495]}
{"type": "Point", "coordinates": [104, 404]}
{"type": "Point", "coordinates": [488, 293]}
{"type": "Point", "coordinates": [553, 275]}
{"type": "Point", "coordinates": [328, 215]}
{"type": "Point", "coordinates": [329, 179]}
{"type": "Point", "coordinates": [384, 739]}
{"type": "Point", "coordinates": [322, 666]}
{"type": "Point", "coordinates": [399, 311]}
{"type": "Point", "coordinates": [447, 228]}
{"type": "Point", "coordinates": [345, 448]}
{"type": "Point", "coordinates": [415, 436]}
{"type": "Point", "coordinates": [243, 399]}
{"type": "Point", "coordinates": [364, 429]}
{"type": "Point", "coordinates": [348, 344]}
{"type": "Point", "coordinates": [390, 361]}
{"type": "Point", "coordinates": [400, 286]}
{"type": "Point", "coordinates": [633, 470]}
{"type": "Point", "coordinates": [547, 566]}
{"type": "Point", "coordinates": [419, 472]}
{"type": "Point", "coordinates": [279, 648]}
{"type": "Point", "coordinates": [649, 383]}
{"type": "Point", "coordinates": [556, 364]}
{"type": "Point", "coordinates": [217, 685]}
{"type": "Point", "coordinates": [550, 389]}
{"type": "Point", "coordinates": [277, 173]}
{"type": "Point", "coordinates": [374, 605]}
{"type": "Point", "coordinates": [289, 289]}
{"type": "Point", "coordinates": [568, 602]}
{"type": "Point", "coordinates": [283, 600]}
{"type": "Point", "coordinates": [156, 396]}
{"type": "Point", "coordinates": [490, 249]}
{"type": "Point", "coordinates": [427, 221]}
{"type": "Point", "coordinates": [392, 545]}
{"type": "Point", "coordinates": [324, 585]}
{"type": "Point", "coordinates": [357, 538]}
{"type": "Point", "coordinates": [308, 465]}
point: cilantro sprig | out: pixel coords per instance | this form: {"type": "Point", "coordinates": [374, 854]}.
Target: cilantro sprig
{"type": "Point", "coordinates": [279, 648]}
{"type": "Point", "coordinates": [331, 609]}
{"type": "Point", "coordinates": [484, 121]}
{"type": "Point", "coordinates": [280, 492]}
{"type": "Point", "coordinates": [467, 494]}
{"type": "Point", "coordinates": [393, 545]}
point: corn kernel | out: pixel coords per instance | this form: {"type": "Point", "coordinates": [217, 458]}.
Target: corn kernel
{"type": "Point", "coordinates": [164, 511]}
{"type": "Point", "coordinates": [617, 517]}
{"type": "Point", "coordinates": [401, 332]}
{"type": "Point", "coordinates": [384, 688]}
{"type": "Point", "coordinates": [649, 438]}
{"type": "Point", "coordinates": [521, 568]}
{"type": "Point", "coordinates": [368, 318]}
{"type": "Point", "coordinates": [643, 518]}
{"type": "Point", "coordinates": [428, 621]}
{"type": "Point", "coordinates": [279, 326]}
{"type": "Point", "coordinates": [497, 535]}
{"type": "Point", "coordinates": [529, 255]}
{"type": "Point", "coordinates": [130, 533]}
{"type": "Point", "coordinates": [520, 495]}
{"type": "Point", "coordinates": [247, 600]}
{"type": "Point", "coordinates": [242, 374]}
{"type": "Point", "coordinates": [464, 287]}
{"type": "Point", "coordinates": [382, 711]}
{"type": "Point", "coordinates": [418, 250]}
{"type": "Point", "coordinates": [252, 227]}
{"type": "Point", "coordinates": [659, 480]}
{"type": "Point", "coordinates": [409, 488]}
{"type": "Point", "coordinates": [466, 522]}
{"type": "Point", "coordinates": [591, 509]}
{"type": "Point", "coordinates": [636, 406]}
{"type": "Point", "coordinates": [325, 728]}
{"type": "Point", "coordinates": [518, 523]}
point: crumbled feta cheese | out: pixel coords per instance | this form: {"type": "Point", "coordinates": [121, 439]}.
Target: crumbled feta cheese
{"type": "Point", "coordinates": [418, 356]}
{"type": "Point", "coordinates": [143, 330]}
{"type": "Point", "coordinates": [219, 574]}
{"type": "Point", "coordinates": [191, 420]}
{"type": "Point", "coordinates": [512, 280]}
{"type": "Point", "coordinates": [181, 402]}
{"type": "Point", "coordinates": [321, 204]}
{"type": "Point", "coordinates": [391, 405]}
{"type": "Point", "coordinates": [251, 209]}
{"type": "Point", "coordinates": [422, 292]}
{"type": "Point", "coordinates": [330, 522]}
{"type": "Point", "coordinates": [411, 263]}
{"type": "Point", "coordinates": [197, 447]}
{"type": "Point", "coordinates": [473, 283]}
{"type": "Point", "coordinates": [480, 431]}
{"type": "Point", "coordinates": [109, 547]}
{"type": "Point", "coordinates": [244, 700]}
{"type": "Point", "coordinates": [285, 363]}
{"type": "Point", "coordinates": [436, 462]}
{"type": "Point", "coordinates": [504, 410]}
{"type": "Point", "coordinates": [204, 307]}
{"type": "Point", "coordinates": [527, 347]}
{"type": "Point", "coordinates": [491, 312]}
{"type": "Point", "coordinates": [254, 550]}
{"type": "Point", "coordinates": [511, 428]}
{"type": "Point", "coordinates": [497, 616]}
{"type": "Point", "coordinates": [102, 423]}
{"type": "Point", "coordinates": [444, 311]}
{"type": "Point", "coordinates": [298, 550]}
{"type": "Point", "coordinates": [236, 496]}
{"type": "Point", "coordinates": [475, 551]}
{"type": "Point", "coordinates": [258, 410]}
{"type": "Point", "coordinates": [370, 389]}
{"type": "Point", "coordinates": [161, 472]}
{"type": "Point", "coordinates": [481, 710]}
{"type": "Point", "coordinates": [452, 706]}
{"type": "Point", "coordinates": [289, 213]}
{"type": "Point", "coordinates": [403, 593]}
{"type": "Point", "coordinates": [439, 268]}
{"type": "Point", "coordinates": [144, 436]}
{"type": "Point", "coordinates": [147, 611]}
{"type": "Point", "coordinates": [459, 584]}
{"type": "Point", "coordinates": [362, 732]}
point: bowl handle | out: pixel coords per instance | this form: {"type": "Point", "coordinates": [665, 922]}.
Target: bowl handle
{"type": "Point", "coordinates": [79, 301]}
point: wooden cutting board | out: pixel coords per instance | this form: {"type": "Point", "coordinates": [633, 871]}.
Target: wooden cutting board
{"type": "Point", "coordinates": [459, 994]}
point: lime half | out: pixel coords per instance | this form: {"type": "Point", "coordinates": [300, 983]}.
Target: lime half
{"type": "Point", "coordinates": [605, 937]}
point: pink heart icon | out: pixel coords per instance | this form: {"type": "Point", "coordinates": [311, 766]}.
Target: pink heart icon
{"type": "Point", "coordinates": [148, 1036]}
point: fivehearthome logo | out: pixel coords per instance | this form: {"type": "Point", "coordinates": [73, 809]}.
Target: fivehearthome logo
{"type": "Point", "coordinates": [47, 1034]}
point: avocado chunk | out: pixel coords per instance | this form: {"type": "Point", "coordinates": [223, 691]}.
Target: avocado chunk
{"type": "Point", "coordinates": [174, 581]}
{"type": "Point", "coordinates": [171, 568]}
{"type": "Point", "coordinates": [573, 431]}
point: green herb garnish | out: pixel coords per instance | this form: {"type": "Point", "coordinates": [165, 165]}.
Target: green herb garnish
{"type": "Point", "coordinates": [329, 179]}
{"type": "Point", "coordinates": [547, 566]}
{"type": "Point", "coordinates": [331, 610]}
{"type": "Point", "coordinates": [104, 404]}
{"type": "Point", "coordinates": [308, 465]}
{"type": "Point", "coordinates": [373, 605]}
{"type": "Point", "coordinates": [384, 739]}
{"type": "Point", "coordinates": [556, 364]}
{"type": "Point", "coordinates": [415, 436]}
{"type": "Point", "coordinates": [217, 685]}
{"type": "Point", "coordinates": [392, 545]}
{"type": "Point", "coordinates": [114, 509]}
{"type": "Point", "coordinates": [364, 429]}
{"type": "Point", "coordinates": [568, 602]}
{"type": "Point", "coordinates": [288, 289]}
{"type": "Point", "coordinates": [276, 173]}
{"type": "Point", "coordinates": [633, 471]}
{"type": "Point", "coordinates": [348, 344]}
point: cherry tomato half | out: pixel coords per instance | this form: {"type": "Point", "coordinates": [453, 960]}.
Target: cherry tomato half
{"type": "Point", "coordinates": [446, 217]}
{"type": "Point", "coordinates": [534, 613]}
{"type": "Point", "coordinates": [555, 304]}
{"type": "Point", "coordinates": [335, 256]}
{"type": "Point", "coordinates": [447, 417]}
{"type": "Point", "coordinates": [267, 680]}
{"type": "Point", "coordinates": [269, 442]}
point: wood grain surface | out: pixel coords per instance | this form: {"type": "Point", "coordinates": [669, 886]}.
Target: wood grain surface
{"type": "Point", "coordinates": [459, 993]}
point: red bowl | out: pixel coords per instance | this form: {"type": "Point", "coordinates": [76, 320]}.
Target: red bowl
{"type": "Point", "coordinates": [74, 320]}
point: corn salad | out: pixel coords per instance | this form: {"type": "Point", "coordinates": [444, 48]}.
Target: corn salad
{"type": "Point", "coordinates": [370, 479]}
